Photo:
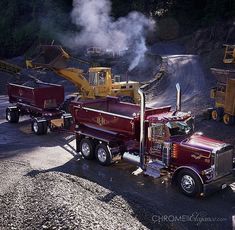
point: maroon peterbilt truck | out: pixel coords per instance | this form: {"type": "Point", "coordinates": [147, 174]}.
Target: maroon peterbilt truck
{"type": "Point", "coordinates": [158, 139]}
{"type": "Point", "coordinates": [41, 101]}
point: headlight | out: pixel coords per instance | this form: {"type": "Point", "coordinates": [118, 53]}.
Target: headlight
{"type": "Point", "coordinates": [208, 173]}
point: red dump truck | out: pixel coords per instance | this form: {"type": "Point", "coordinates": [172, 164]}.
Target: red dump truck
{"type": "Point", "coordinates": [158, 139]}
{"type": "Point", "coordinates": [41, 101]}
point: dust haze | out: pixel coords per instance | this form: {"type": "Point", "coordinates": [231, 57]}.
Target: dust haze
{"type": "Point", "coordinates": [95, 27]}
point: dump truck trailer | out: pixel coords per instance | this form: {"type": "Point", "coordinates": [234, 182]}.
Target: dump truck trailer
{"type": "Point", "coordinates": [41, 101]}
{"type": "Point", "coordinates": [159, 140]}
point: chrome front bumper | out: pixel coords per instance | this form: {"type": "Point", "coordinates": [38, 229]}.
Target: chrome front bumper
{"type": "Point", "coordinates": [219, 184]}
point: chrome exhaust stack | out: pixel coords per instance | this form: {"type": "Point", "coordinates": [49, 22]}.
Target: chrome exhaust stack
{"type": "Point", "coordinates": [178, 97]}
{"type": "Point", "coordinates": [142, 127]}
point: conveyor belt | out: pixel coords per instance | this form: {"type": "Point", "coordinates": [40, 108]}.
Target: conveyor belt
{"type": "Point", "coordinates": [9, 68]}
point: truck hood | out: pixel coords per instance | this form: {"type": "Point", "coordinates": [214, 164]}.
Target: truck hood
{"type": "Point", "coordinates": [203, 143]}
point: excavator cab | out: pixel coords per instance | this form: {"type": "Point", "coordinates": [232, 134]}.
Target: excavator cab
{"type": "Point", "coordinates": [97, 78]}
{"type": "Point", "coordinates": [229, 54]}
{"type": "Point", "coordinates": [101, 79]}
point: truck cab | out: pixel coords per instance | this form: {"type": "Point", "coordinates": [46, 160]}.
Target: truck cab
{"type": "Point", "coordinates": [196, 163]}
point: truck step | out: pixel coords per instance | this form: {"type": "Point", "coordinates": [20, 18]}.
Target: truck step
{"type": "Point", "coordinates": [154, 169]}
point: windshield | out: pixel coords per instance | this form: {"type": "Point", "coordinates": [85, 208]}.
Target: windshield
{"type": "Point", "coordinates": [97, 78]}
{"type": "Point", "coordinates": [181, 127]}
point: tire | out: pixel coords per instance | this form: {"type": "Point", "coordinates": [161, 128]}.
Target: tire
{"type": "Point", "coordinates": [217, 114]}
{"type": "Point", "coordinates": [189, 183]}
{"type": "Point", "coordinates": [66, 104]}
{"type": "Point", "coordinates": [12, 115]}
{"type": "Point", "coordinates": [208, 114]}
{"type": "Point", "coordinates": [127, 99]}
{"type": "Point", "coordinates": [39, 127]}
{"type": "Point", "coordinates": [228, 119]}
{"type": "Point", "coordinates": [103, 155]}
{"type": "Point", "coordinates": [67, 122]}
{"type": "Point", "coordinates": [87, 149]}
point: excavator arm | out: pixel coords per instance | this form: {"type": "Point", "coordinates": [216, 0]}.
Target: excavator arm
{"type": "Point", "coordinates": [76, 76]}
{"type": "Point", "coordinates": [55, 58]}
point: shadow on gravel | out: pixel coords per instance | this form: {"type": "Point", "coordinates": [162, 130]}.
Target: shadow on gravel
{"type": "Point", "coordinates": [15, 138]}
{"type": "Point", "coordinates": [119, 181]}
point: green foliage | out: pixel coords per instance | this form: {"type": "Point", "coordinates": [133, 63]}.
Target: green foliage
{"type": "Point", "coordinates": [24, 22]}
{"type": "Point", "coordinates": [202, 12]}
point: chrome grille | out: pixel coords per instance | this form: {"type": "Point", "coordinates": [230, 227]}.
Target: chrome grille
{"type": "Point", "coordinates": [224, 162]}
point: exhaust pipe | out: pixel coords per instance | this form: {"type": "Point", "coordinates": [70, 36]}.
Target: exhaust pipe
{"type": "Point", "coordinates": [127, 77]}
{"type": "Point", "coordinates": [178, 98]}
{"type": "Point", "coordinates": [142, 127]}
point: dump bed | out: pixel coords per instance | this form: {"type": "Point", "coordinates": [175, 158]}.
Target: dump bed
{"type": "Point", "coordinates": [110, 114]}
{"type": "Point", "coordinates": [223, 75]}
{"type": "Point", "coordinates": [230, 97]}
{"type": "Point", "coordinates": [38, 94]}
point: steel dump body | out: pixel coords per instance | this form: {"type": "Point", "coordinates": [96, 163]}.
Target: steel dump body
{"type": "Point", "coordinates": [39, 95]}
{"type": "Point", "coordinates": [111, 115]}
{"type": "Point", "coordinates": [157, 139]}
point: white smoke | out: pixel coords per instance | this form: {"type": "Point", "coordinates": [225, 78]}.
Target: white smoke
{"type": "Point", "coordinates": [98, 28]}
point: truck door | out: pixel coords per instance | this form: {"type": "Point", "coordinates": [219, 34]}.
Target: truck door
{"type": "Point", "coordinates": [156, 138]}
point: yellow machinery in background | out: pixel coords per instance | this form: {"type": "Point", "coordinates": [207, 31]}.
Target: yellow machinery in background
{"type": "Point", "coordinates": [229, 54]}
{"type": "Point", "coordinates": [224, 92]}
{"type": "Point", "coordinates": [9, 68]}
{"type": "Point", "coordinates": [98, 83]}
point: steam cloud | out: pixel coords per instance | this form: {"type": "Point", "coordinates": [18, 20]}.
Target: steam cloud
{"type": "Point", "coordinates": [98, 28]}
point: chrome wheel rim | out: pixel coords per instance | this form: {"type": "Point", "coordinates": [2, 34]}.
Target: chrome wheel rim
{"type": "Point", "coordinates": [35, 127]}
{"type": "Point", "coordinates": [187, 183]}
{"type": "Point", "coordinates": [85, 149]}
{"type": "Point", "coordinates": [8, 115]}
{"type": "Point", "coordinates": [101, 155]}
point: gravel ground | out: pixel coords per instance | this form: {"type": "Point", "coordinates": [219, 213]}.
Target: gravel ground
{"type": "Point", "coordinates": [53, 200]}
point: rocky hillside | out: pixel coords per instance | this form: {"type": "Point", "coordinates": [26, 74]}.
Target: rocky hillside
{"type": "Point", "coordinates": [208, 43]}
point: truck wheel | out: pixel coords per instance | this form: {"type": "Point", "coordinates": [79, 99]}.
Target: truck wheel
{"type": "Point", "coordinates": [12, 115]}
{"type": "Point", "coordinates": [66, 104]}
{"type": "Point", "coordinates": [39, 127]}
{"type": "Point", "coordinates": [217, 114]}
{"type": "Point", "coordinates": [67, 122]}
{"type": "Point", "coordinates": [103, 155]}
{"type": "Point", "coordinates": [127, 99]}
{"type": "Point", "coordinates": [228, 119]}
{"type": "Point", "coordinates": [189, 183]}
{"type": "Point", "coordinates": [87, 149]}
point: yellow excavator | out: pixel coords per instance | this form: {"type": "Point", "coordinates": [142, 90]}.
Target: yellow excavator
{"type": "Point", "coordinates": [99, 83]}
{"type": "Point", "coordinates": [224, 92]}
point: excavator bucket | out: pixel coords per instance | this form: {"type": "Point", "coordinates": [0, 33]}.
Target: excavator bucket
{"type": "Point", "coordinates": [50, 56]}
